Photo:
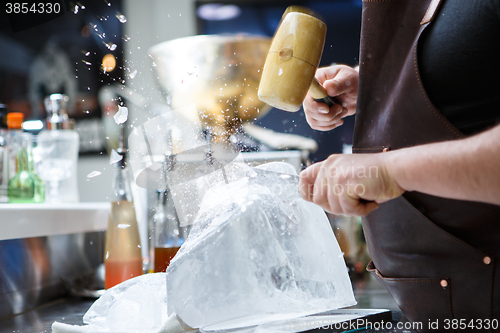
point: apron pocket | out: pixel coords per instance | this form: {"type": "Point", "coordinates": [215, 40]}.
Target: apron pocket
{"type": "Point", "coordinates": [424, 301]}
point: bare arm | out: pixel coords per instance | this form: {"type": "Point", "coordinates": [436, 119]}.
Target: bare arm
{"type": "Point", "coordinates": [466, 169]}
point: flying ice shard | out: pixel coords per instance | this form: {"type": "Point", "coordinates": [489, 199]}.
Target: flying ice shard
{"type": "Point", "coordinates": [122, 115]}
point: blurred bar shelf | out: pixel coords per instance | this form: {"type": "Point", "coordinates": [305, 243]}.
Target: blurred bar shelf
{"type": "Point", "coordinates": [37, 220]}
{"type": "Point", "coordinates": [49, 251]}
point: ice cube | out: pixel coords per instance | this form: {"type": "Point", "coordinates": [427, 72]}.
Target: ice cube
{"type": "Point", "coordinates": [132, 74]}
{"type": "Point", "coordinates": [121, 17]}
{"type": "Point", "coordinates": [93, 174]}
{"type": "Point", "coordinates": [256, 254]}
{"type": "Point", "coordinates": [122, 115]}
{"type": "Point", "coordinates": [111, 46]}
{"type": "Point", "coordinates": [114, 157]}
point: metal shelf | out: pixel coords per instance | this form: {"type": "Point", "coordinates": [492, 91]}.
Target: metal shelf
{"type": "Point", "coordinates": [37, 220]}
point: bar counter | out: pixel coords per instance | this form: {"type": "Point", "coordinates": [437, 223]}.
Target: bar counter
{"type": "Point", "coordinates": [70, 310]}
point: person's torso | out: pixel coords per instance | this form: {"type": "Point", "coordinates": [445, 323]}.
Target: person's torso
{"type": "Point", "coordinates": [459, 63]}
{"type": "Point", "coordinates": [427, 249]}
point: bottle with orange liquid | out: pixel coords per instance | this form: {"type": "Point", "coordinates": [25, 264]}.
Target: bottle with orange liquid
{"type": "Point", "coordinates": [122, 253]}
{"type": "Point", "coordinates": [167, 236]}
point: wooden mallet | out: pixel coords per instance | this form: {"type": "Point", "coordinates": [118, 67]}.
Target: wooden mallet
{"type": "Point", "coordinates": [291, 63]}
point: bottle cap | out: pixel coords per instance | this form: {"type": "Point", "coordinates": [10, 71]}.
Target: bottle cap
{"type": "Point", "coordinates": [56, 105]}
{"type": "Point", "coordinates": [15, 120]}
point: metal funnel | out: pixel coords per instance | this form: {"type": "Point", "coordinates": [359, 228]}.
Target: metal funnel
{"type": "Point", "coordinates": [219, 74]}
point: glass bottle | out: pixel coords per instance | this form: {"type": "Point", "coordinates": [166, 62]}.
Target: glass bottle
{"type": "Point", "coordinates": [167, 236]}
{"type": "Point", "coordinates": [122, 253]}
{"type": "Point", "coordinates": [13, 140]}
{"type": "Point", "coordinates": [158, 215]}
{"type": "Point", "coordinates": [3, 125]}
{"type": "Point", "coordinates": [4, 155]}
{"type": "Point", "coordinates": [57, 152]}
{"type": "Point", "coordinates": [25, 186]}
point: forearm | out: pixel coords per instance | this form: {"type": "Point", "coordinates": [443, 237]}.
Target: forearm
{"type": "Point", "coordinates": [466, 169]}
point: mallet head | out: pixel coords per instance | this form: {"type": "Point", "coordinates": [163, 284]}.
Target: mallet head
{"type": "Point", "coordinates": [292, 60]}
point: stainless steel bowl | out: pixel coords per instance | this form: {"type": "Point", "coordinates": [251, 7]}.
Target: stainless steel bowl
{"type": "Point", "coordinates": [219, 74]}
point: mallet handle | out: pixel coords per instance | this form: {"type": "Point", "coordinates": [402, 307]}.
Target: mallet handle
{"type": "Point", "coordinates": [319, 94]}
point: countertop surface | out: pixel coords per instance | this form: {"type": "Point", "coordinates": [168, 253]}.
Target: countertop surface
{"type": "Point", "coordinates": [45, 219]}
{"type": "Point", "coordinates": [70, 310]}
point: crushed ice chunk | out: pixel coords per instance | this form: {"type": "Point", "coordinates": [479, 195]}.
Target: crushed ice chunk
{"type": "Point", "coordinates": [132, 74]}
{"type": "Point", "coordinates": [114, 157]}
{"type": "Point", "coordinates": [121, 17]}
{"type": "Point", "coordinates": [143, 296]}
{"type": "Point", "coordinates": [111, 46]}
{"type": "Point", "coordinates": [93, 174]}
{"type": "Point", "coordinates": [138, 305]}
{"type": "Point", "coordinates": [122, 115]}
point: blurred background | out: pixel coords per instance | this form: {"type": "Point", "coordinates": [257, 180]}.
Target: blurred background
{"type": "Point", "coordinates": [92, 45]}
{"type": "Point", "coordinates": [98, 53]}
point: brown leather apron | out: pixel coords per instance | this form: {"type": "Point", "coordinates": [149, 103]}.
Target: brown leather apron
{"type": "Point", "coordinates": [439, 258]}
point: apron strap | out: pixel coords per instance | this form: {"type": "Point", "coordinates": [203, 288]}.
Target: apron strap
{"type": "Point", "coordinates": [431, 12]}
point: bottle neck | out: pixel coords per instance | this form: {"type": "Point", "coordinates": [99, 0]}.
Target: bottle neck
{"type": "Point", "coordinates": [24, 156]}
{"type": "Point", "coordinates": [161, 201]}
{"type": "Point", "coordinates": [159, 209]}
{"type": "Point", "coordinates": [166, 227]}
{"type": "Point", "coordinates": [121, 183]}
{"type": "Point", "coordinates": [65, 124]}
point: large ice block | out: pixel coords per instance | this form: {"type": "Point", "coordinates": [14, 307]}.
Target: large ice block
{"type": "Point", "coordinates": [257, 252]}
